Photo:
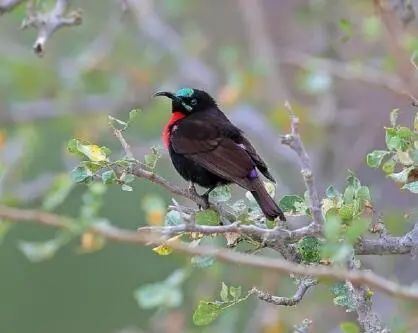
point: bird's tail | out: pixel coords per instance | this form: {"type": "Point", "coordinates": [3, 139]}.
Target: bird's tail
{"type": "Point", "coordinates": [269, 207]}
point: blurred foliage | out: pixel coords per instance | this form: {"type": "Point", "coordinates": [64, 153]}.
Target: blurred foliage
{"type": "Point", "coordinates": [109, 65]}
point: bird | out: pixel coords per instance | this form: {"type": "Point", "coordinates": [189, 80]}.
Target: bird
{"type": "Point", "coordinates": [207, 149]}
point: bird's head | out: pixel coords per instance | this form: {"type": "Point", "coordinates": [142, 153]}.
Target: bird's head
{"type": "Point", "coordinates": [188, 100]}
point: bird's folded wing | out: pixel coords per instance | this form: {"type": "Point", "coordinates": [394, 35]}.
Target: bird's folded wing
{"type": "Point", "coordinates": [208, 148]}
{"type": "Point", "coordinates": [193, 136]}
{"type": "Point", "coordinates": [261, 165]}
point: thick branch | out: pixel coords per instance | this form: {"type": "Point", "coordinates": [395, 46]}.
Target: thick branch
{"type": "Point", "coordinates": [116, 234]}
{"type": "Point", "coordinates": [387, 244]}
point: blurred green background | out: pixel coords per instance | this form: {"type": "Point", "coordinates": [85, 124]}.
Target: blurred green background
{"type": "Point", "coordinates": [252, 56]}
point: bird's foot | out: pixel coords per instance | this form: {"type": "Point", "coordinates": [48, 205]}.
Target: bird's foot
{"type": "Point", "coordinates": [192, 189]}
{"type": "Point", "coordinates": [204, 197]}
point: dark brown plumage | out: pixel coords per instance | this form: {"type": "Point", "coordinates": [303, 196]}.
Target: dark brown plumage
{"type": "Point", "coordinates": [207, 149]}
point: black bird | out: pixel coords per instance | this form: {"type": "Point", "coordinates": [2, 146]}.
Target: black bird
{"type": "Point", "coordinates": [207, 149]}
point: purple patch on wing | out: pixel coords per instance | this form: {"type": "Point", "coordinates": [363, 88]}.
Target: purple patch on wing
{"type": "Point", "coordinates": [253, 174]}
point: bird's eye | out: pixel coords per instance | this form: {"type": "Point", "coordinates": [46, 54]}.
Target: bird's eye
{"type": "Point", "coordinates": [193, 101]}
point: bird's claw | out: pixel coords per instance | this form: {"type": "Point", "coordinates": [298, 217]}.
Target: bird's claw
{"type": "Point", "coordinates": [205, 198]}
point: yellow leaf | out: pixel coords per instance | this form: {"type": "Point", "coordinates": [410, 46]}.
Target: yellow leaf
{"type": "Point", "coordinates": [163, 250]}
{"type": "Point", "coordinates": [91, 242]}
{"type": "Point", "coordinates": [93, 152]}
{"type": "Point", "coordinates": [155, 217]}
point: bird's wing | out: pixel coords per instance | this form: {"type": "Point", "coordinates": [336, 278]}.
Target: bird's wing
{"type": "Point", "coordinates": [204, 142]}
{"type": "Point", "coordinates": [261, 165]}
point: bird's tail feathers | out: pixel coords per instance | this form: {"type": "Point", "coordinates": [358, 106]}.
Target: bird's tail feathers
{"type": "Point", "coordinates": [268, 206]}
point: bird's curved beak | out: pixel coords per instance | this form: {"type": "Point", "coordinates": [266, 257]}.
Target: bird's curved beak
{"type": "Point", "coordinates": [166, 94]}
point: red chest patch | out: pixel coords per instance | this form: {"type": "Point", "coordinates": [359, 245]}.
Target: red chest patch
{"type": "Point", "coordinates": [165, 135]}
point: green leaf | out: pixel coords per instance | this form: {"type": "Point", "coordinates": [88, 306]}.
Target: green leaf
{"type": "Point", "coordinates": [374, 159]}
{"type": "Point", "coordinates": [81, 174]}
{"type": "Point", "coordinates": [331, 192]}
{"type": "Point", "coordinates": [332, 227]}
{"type": "Point", "coordinates": [394, 116]}
{"type": "Point", "coordinates": [356, 229]}
{"type": "Point", "coordinates": [207, 217]}
{"type": "Point", "coordinates": [72, 147]}
{"type": "Point", "coordinates": [405, 133]}
{"type": "Point", "coordinates": [389, 166]}
{"type": "Point", "coordinates": [127, 178]}
{"type": "Point", "coordinates": [401, 177]}
{"type": "Point", "coordinates": [165, 294]}
{"type": "Point", "coordinates": [363, 193]}
{"type": "Point", "coordinates": [413, 154]}
{"type": "Point", "coordinates": [393, 141]}
{"type": "Point", "coordinates": [349, 194]}
{"type": "Point", "coordinates": [108, 177]}
{"type": "Point", "coordinates": [58, 192]}
{"type": "Point", "coordinates": [353, 181]}
{"type": "Point", "coordinates": [133, 114]}
{"type": "Point", "coordinates": [309, 248]}
{"type": "Point", "coordinates": [349, 327]}
{"type": "Point", "coordinates": [346, 212]}
{"type": "Point", "coordinates": [126, 188]}
{"type": "Point", "coordinates": [158, 295]}
{"type": "Point", "coordinates": [106, 150]}
{"type": "Point", "coordinates": [342, 296]}
{"type": "Point", "coordinates": [220, 194]}
{"type": "Point", "coordinates": [412, 187]}
{"type": "Point", "coordinates": [292, 204]}
{"type": "Point", "coordinates": [206, 313]}
{"type": "Point", "coordinates": [39, 251]}
{"type": "Point", "coordinates": [150, 160]}
{"type": "Point", "coordinates": [224, 294]}
{"type": "Point", "coordinates": [202, 261]}
{"type": "Point", "coordinates": [235, 292]}
{"type": "Point", "coordinates": [173, 218]}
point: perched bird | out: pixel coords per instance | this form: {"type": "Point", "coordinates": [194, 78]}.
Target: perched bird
{"type": "Point", "coordinates": [208, 150]}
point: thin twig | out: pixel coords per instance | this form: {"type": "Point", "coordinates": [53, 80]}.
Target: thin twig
{"type": "Point", "coordinates": [294, 141]}
{"type": "Point", "coordinates": [303, 287]}
{"type": "Point", "coordinates": [47, 23]}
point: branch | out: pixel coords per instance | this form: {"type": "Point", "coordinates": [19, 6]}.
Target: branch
{"type": "Point", "coordinates": [386, 244]}
{"type": "Point", "coordinates": [346, 71]}
{"type": "Point", "coordinates": [368, 319]}
{"type": "Point", "coordinates": [269, 237]}
{"type": "Point", "coordinates": [47, 23]}
{"type": "Point", "coordinates": [294, 141]}
{"type": "Point", "coordinates": [113, 233]}
{"type": "Point", "coordinates": [303, 287]}
{"type": "Point", "coordinates": [9, 5]}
